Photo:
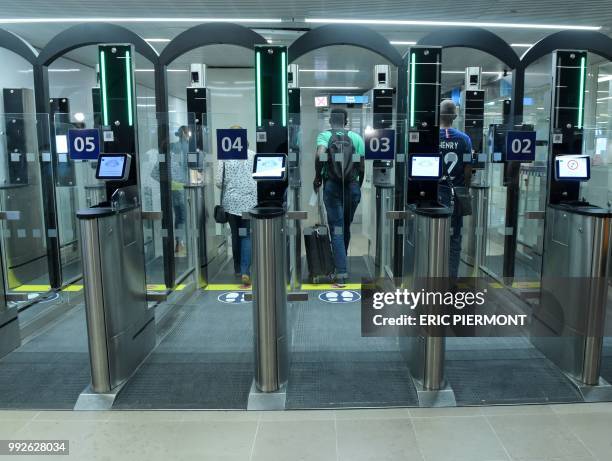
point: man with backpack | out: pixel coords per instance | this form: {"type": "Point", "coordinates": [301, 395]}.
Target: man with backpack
{"type": "Point", "coordinates": [339, 167]}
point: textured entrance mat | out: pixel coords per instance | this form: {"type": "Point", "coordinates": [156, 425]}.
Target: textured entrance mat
{"type": "Point", "coordinates": [204, 362]}
{"type": "Point", "coordinates": [51, 370]}
{"type": "Point", "coordinates": [335, 380]}
{"type": "Point", "coordinates": [334, 366]}
{"type": "Point", "coordinates": [507, 381]}
{"type": "Point", "coordinates": [188, 381]}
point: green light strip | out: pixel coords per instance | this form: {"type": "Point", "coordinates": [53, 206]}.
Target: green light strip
{"type": "Point", "coordinates": [128, 79]}
{"type": "Point", "coordinates": [284, 79]}
{"type": "Point", "coordinates": [412, 86]}
{"type": "Point", "coordinates": [258, 80]}
{"type": "Point", "coordinates": [581, 95]}
{"type": "Point", "coordinates": [103, 89]}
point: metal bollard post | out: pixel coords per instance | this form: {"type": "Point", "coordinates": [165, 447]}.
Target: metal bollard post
{"type": "Point", "coordinates": [269, 298]}
{"type": "Point", "coordinates": [94, 306]}
{"type": "Point", "coordinates": [438, 231]}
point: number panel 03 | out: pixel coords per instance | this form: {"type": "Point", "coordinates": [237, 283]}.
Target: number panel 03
{"type": "Point", "coordinates": [380, 144]}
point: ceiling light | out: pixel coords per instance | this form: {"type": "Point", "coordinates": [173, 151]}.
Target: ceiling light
{"type": "Point", "coordinates": [330, 87]}
{"type": "Point", "coordinates": [131, 20]}
{"type": "Point", "coordinates": [522, 45]}
{"type": "Point", "coordinates": [393, 22]}
{"type": "Point", "coordinates": [604, 99]}
{"type": "Point", "coordinates": [604, 78]}
{"type": "Point", "coordinates": [157, 40]}
{"type": "Point", "coordinates": [79, 117]}
{"type": "Point", "coordinates": [153, 70]}
{"type": "Point", "coordinates": [27, 71]}
{"type": "Point", "coordinates": [484, 72]}
{"type": "Point", "coordinates": [399, 42]}
{"type": "Point", "coordinates": [352, 71]}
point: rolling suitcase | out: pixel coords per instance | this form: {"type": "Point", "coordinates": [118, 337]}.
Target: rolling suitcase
{"type": "Point", "coordinates": [319, 255]}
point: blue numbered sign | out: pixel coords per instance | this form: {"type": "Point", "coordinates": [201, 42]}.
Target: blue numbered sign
{"type": "Point", "coordinates": [84, 144]}
{"type": "Point", "coordinates": [232, 144]}
{"type": "Point", "coordinates": [520, 146]}
{"type": "Point", "coordinates": [380, 145]}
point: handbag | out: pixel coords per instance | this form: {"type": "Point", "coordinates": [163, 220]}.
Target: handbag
{"type": "Point", "coordinates": [462, 200]}
{"type": "Point", "coordinates": [219, 212]}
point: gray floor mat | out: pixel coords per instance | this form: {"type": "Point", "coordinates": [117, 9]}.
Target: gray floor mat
{"type": "Point", "coordinates": [507, 381]}
{"type": "Point", "coordinates": [49, 371]}
{"type": "Point", "coordinates": [337, 380]}
{"type": "Point", "coordinates": [334, 366]}
{"type": "Point", "coordinates": [204, 362]}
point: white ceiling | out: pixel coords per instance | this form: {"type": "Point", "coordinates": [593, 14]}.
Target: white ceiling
{"type": "Point", "coordinates": [293, 13]}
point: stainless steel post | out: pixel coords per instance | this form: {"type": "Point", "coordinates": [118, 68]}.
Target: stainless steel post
{"type": "Point", "coordinates": [269, 297]}
{"type": "Point", "coordinates": [426, 251]}
{"type": "Point", "coordinates": [480, 227]}
{"type": "Point", "coordinates": [384, 239]}
{"type": "Point", "coordinates": [197, 233]}
{"type": "Point", "coordinates": [597, 301]}
{"type": "Point", "coordinates": [568, 323]}
{"type": "Point", "coordinates": [438, 230]}
{"type": "Point", "coordinates": [94, 306]}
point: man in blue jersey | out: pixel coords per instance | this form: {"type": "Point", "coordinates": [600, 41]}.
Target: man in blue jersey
{"type": "Point", "coordinates": [454, 145]}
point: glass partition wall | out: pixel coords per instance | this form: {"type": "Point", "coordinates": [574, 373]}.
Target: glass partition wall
{"type": "Point", "coordinates": [223, 97]}
{"type": "Point", "coordinates": [342, 78]}
{"type": "Point", "coordinates": [75, 103]}
{"type": "Point", "coordinates": [496, 84]}
{"type": "Point", "coordinates": [23, 243]}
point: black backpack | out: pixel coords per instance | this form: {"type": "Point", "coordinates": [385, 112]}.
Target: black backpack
{"type": "Point", "coordinates": [340, 143]}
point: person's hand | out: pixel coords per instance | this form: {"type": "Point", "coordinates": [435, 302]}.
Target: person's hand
{"type": "Point", "coordinates": [317, 182]}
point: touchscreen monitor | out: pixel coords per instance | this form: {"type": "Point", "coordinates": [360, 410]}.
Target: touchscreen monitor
{"type": "Point", "coordinates": [113, 167]}
{"type": "Point", "coordinates": [425, 167]}
{"type": "Point", "coordinates": [269, 167]}
{"type": "Point", "coordinates": [573, 168]}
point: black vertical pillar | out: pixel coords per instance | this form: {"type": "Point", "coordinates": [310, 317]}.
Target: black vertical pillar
{"type": "Point", "coordinates": [165, 173]}
{"type": "Point", "coordinates": [117, 90]}
{"type": "Point", "coordinates": [512, 180]}
{"type": "Point", "coordinates": [47, 176]}
{"type": "Point", "coordinates": [271, 99]}
{"type": "Point", "coordinates": [400, 166]}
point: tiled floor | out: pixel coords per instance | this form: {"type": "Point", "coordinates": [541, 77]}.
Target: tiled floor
{"type": "Point", "coordinates": [572, 432]}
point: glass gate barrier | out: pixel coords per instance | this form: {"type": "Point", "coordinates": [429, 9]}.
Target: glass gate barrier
{"type": "Point", "coordinates": [23, 244]}
{"type": "Point", "coordinates": [76, 187]}
{"type": "Point", "coordinates": [178, 157]}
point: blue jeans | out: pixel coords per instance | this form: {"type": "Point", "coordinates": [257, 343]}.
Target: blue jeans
{"type": "Point", "coordinates": [241, 244]}
{"type": "Point", "coordinates": [445, 196]}
{"type": "Point", "coordinates": [340, 201]}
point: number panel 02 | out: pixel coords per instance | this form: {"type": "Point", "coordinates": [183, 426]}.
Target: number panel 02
{"type": "Point", "coordinates": [380, 144]}
{"type": "Point", "coordinates": [520, 146]}
{"type": "Point", "coordinates": [231, 144]}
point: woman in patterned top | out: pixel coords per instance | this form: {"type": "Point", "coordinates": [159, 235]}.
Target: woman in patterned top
{"type": "Point", "coordinates": [239, 196]}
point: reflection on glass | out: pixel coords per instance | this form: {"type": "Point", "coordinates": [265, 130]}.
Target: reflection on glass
{"type": "Point", "coordinates": [23, 243]}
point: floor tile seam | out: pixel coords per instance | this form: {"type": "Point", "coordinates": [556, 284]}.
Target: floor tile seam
{"type": "Point", "coordinates": [573, 431]}
{"type": "Point", "coordinates": [497, 436]}
{"type": "Point", "coordinates": [253, 444]}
